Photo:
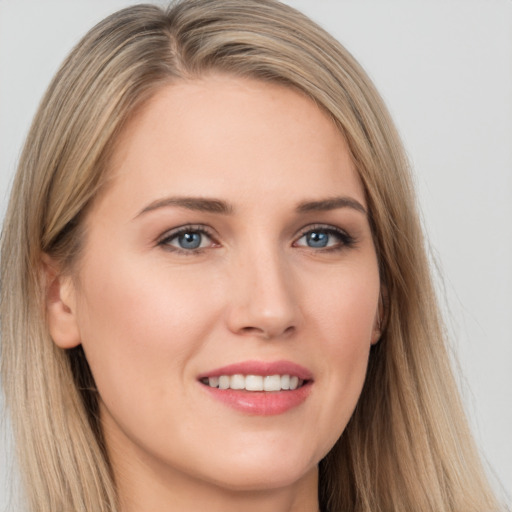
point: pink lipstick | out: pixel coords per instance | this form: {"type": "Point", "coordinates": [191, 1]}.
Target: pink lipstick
{"type": "Point", "coordinates": [258, 387]}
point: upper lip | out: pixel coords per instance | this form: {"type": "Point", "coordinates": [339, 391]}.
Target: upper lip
{"type": "Point", "coordinates": [262, 368]}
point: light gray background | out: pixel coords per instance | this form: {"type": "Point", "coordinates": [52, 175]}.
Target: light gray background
{"type": "Point", "coordinates": [445, 70]}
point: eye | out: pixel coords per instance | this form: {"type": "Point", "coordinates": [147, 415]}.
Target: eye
{"type": "Point", "coordinates": [187, 239]}
{"type": "Point", "coordinates": [323, 237]}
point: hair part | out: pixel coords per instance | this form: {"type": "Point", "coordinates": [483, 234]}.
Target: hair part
{"type": "Point", "coordinates": [407, 446]}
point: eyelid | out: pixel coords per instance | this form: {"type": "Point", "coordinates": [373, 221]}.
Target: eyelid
{"type": "Point", "coordinates": [346, 240]}
{"type": "Point", "coordinates": [319, 226]}
{"type": "Point", "coordinates": [185, 228]}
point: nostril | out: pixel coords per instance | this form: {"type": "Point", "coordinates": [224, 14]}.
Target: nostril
{"type": "Point", "coordinates": [256, 331]}
{"type": "Point", "coordinates": [267, 333]}
{"type": "Point", "coordinates": [252, 330]}
{"type": "Point", "coordinates": [289, 330]}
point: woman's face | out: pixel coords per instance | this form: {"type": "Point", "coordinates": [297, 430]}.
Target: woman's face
{"type": "Point", "coordinates": [231, 249]}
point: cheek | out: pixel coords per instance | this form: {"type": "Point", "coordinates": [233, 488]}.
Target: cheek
{"type": "Point", "coordinates": [343, 318]}
{"type": "Point", "coordinates": [139, 328]}
{"type": "Point", "coordinates": [344, 306]}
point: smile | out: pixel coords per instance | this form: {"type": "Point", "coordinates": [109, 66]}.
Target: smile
{"type": "Point", "coordinates": [260, 388]}
{"type": "Point", "coordinates": [255, 382]}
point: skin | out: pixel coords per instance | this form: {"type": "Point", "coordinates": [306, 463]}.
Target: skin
{"type": "Point", "coordinates": [152, 317]}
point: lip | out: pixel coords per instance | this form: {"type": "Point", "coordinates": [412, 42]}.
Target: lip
{"type": "Point", "coordinates": [260, 403]}
{"type": "Point", "coordinates": [261, 368]}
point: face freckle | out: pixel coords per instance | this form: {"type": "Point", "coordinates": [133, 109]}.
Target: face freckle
{"type": "Point", "coordinates": [233, 239]}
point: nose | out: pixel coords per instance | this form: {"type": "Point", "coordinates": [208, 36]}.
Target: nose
{"type": "Point", "coordinates": [263, 297]}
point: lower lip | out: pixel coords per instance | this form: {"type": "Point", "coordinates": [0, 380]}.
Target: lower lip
{"type": "Point", "coordinates": [261, 403]}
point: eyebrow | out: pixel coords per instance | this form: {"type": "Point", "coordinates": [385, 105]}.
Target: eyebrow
{"type": "Point", "coordinates": [198, 204]}
{"type": "Point", "coordinates": [331, 203]}
{"type": "Point", "coordinates": [218, 206]}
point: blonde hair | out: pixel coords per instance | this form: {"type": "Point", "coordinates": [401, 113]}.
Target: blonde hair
{"type": "Point", "coordinates": [407, 446]}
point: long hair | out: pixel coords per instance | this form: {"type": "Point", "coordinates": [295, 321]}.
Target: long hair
{"type": "Point", "coordinates": [407, 446]}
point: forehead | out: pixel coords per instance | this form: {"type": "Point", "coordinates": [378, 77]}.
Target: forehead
{"type": "Point", "coordinates": [223, 135]}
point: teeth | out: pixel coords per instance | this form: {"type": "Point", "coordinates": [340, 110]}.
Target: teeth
{"type": "Point", "coordinates": [255, 382]}
{"type": "Point", "coordinates": [224, 382]}
{"type": "Point", "coordinates": [272, 383]}
{"type": "Point", "coordinates": [237, 382]}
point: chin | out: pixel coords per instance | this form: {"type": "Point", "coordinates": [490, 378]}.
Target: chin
{"type": "Point", "coordinates": [244, 474]}
{"type": "Point", "coordinates": [249, 481]}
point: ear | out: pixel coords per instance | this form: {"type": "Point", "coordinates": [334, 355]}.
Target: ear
{"type": "Point", "coordinates": [378, 325]}
{"type": "Point", "coordinates": [60, 305]}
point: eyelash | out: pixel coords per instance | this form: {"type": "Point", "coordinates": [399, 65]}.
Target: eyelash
{"type": "Point", "coordinates": [169, 236]}
{"type": "Point", "coordinates": [344, 239]}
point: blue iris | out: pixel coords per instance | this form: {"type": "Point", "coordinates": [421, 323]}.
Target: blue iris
{"type": "Point", "coordinates": [190, 240]}
{"type": "Point", "coordinates": [317, 239]}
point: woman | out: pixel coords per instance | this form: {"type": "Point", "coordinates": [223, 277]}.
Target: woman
{"type": "Point", "coordinates": [214, 288]}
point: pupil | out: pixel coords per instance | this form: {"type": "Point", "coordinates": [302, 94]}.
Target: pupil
{"type": "Point", "coordinates": [317, 239]}
{"type": "Point", "coordinates": [190, 240]}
